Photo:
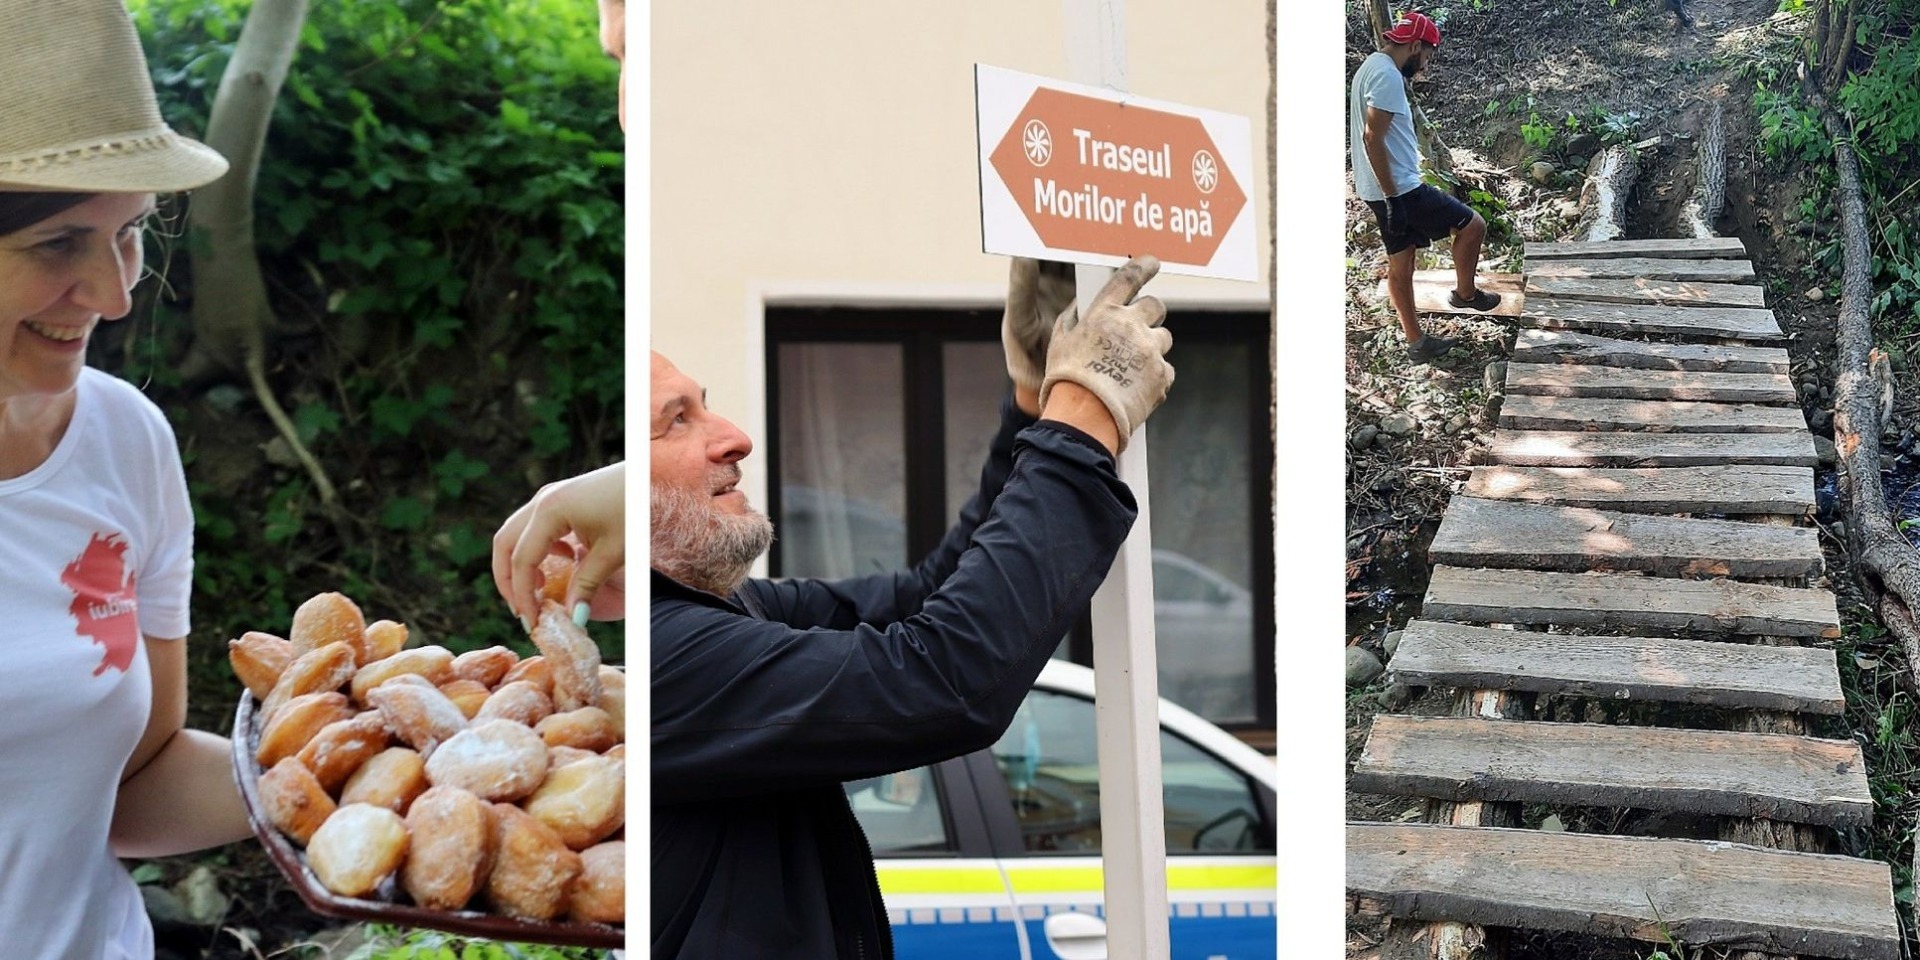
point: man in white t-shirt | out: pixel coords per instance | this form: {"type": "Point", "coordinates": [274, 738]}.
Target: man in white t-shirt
{"type": "Point", "coordinates": [1386, 174]}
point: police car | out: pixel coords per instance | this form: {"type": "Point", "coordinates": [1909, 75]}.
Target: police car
{"type": "Point", "coordinates": [997, 854]}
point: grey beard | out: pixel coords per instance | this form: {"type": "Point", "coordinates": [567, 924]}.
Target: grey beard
{"type": "Point", "coordinates": [696, 544]}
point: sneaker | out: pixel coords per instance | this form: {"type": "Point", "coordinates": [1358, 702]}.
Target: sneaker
{"type": "Point", "coordinates": [1430, 346]}
{"type": "Point", "coordinates": [1483, 300]}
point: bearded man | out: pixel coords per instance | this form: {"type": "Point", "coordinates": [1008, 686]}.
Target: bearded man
{"type": "Point", "coordinates": [767, 695]}
{"type": "Point", "coordinates": [1386, 174]}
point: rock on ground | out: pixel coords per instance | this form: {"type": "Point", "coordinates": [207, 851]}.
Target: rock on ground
{"type": "Point", "coordinates": [1362, 667]}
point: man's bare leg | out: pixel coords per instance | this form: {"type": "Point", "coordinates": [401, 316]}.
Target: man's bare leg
{"type": "Point", "coordinates": [1400, 291]}
{"type": "Point", "coordinates": [1466, 256]}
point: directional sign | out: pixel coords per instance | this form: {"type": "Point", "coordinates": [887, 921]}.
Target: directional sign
{"type": "Point", "coordinates": [1072, 172]}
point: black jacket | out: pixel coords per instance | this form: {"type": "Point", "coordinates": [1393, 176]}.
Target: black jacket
{"type": "Point", "coordinates": [764, 703]}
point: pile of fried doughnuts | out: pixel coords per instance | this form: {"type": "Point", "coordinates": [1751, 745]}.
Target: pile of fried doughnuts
{"type": "Point", "coordinates": [482, 781]}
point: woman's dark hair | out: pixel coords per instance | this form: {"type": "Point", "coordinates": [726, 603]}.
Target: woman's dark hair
{"type": "Point", "coordinates": [19, 211]}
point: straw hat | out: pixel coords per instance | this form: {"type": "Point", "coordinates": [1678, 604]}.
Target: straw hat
{"type": "Point", "coordinates": [77, 111]}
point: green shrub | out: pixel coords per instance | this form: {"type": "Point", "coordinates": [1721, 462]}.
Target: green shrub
{"type": "Point", "coordinates": [395, 943]}
{"type": "Point", "coordinates": [438, 214]}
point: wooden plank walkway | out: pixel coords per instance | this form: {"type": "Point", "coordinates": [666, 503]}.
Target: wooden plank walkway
{"type": "Point", "coordinates": [1566, 346]}
{"type": "Point", "coordinates": [1630, 602]}
{"type": "Point", "coordinates": [1431, 288]}
{"type": "Point", "coordinates": [1733, 774]}
{"type": "Point", "coordinates": [1725, 323]}
{"type": "Point", "coordinates": [1633, 383]}
{"type": "Point", "coordinates": [1686, 248]}
{"type": "Point", "coordinates": [1738, 489]}
{"type": "Point", "coordinates": [1699, 892]}
{"type": "Point", "coordinates": [1538, 412]}
{"type": "Point", "coordinates": [1562, 448]}
{"type": "Point", "coordinates": [1436, 653]}
{"type": "Point", "coordinates": [1538, 536]}
{"type": "Point", "coordinates": [1644, 290]}
{"type": "Point", "coordinates": [1662, 268]}
{"type": "Point", "coordinates": [1575, 562]}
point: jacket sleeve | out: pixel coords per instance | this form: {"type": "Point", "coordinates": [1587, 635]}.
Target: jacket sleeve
{"type": "Point", "coordinates": [742, 706]}
{"type": "Point", "coordinates": [885, 597]}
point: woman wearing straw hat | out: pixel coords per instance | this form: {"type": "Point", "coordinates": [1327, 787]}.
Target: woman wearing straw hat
{"type": "Point", "coordinates": [96, 534]}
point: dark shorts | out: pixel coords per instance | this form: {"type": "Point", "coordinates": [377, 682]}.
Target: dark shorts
{"type": "Point", "coordinates": [1431, 214]}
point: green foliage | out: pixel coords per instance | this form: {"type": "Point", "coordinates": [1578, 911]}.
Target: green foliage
{"type": "Point", "coordinates": [1539, 134]}
{"type": "Point", "coordinates": [438, 212]}
{"type": "Point", "coordinates": [1614, 126]}
{"type": "Point", "coordinates": [1882, 712]}
{"type": "Point", "coordinates": [1885, 115]}
{"type": "Point", "coordinates": [1493, 210]}
{"type": "Point", "coordinates": [398, 943]}
{"type": "Point", "coordinates": [1790, 129]}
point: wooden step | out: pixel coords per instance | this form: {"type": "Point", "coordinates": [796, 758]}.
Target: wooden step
{"type": "Point", "coordinates": [1662, 268]}
{"type": "Point", "coordinates": [1720, 323]}
{"type": "Point", "coordinates": [1431, 288]}
{"type": "Point", "coordinates": [1511, 534]}
{"type": "Point", "coordinates": [1687, 248]}
{"type": "Point", "coordinates": [1584, 380]}
{"type": "Point", "coordinates": [1699, 892]}
{"type": "Point", "coordinates": [1628, 603]}
{"type": "Point", "coordinates": [1561, 448]}
{"type": "Point", "coordinates": [1531, 412]}
{"type": "Point", "coordinates": [1565, 346]}
{"type": "Point", "coordinates": [1739, 489]}
{"type": "Point", "coordinates": [1668, 670]}
{"type": "Point", "coordinates": [1769, 775]}
{"type": "Point", "coordinates": [1642, 290]}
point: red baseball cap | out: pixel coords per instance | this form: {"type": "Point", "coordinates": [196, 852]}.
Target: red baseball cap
{"type": "Point", "coordinates": [1414, 26]}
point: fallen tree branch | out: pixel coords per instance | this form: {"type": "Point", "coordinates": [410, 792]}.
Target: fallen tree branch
{"type": "Point", "coordinates": [1709, 178]}
{"type": "Point", "coordinates": [1886, 565]}
{"type": "Point", "coordinates": [1603, 201]}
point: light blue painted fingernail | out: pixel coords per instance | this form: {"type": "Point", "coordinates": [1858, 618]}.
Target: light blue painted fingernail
{"type": "Point", "coordinates": [580, 614]}
{"type": "Point", "coordinates": [527, 622]}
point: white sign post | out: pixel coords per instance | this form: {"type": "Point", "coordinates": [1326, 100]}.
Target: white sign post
{"type": "Point", "coordinates": [1133, 843]}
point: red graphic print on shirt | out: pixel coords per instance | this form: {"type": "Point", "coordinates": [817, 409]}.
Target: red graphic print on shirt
{"type": "Point", "coordinates": [103, 600]}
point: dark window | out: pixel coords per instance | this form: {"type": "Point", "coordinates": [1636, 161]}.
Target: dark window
{"type": "Point", "coordinates": [881, 421]}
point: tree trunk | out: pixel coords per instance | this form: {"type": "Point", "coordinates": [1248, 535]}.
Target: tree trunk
{"type": "Point", "coordinates": [1816, 47]}
{"type": "Point", "coordinates": [1832, 46]}
{"type": "Point", "coordinates": [1438, 155]}
{"type": "Point", "coordinates": [1887, 567]}
{"type": "Point", "coordinates": [1709, 178]}
{"type": "Point", "coordinates": [1610, 177]}
{"type": "Point", "coordinates": [1836, 68]}
{"type": "Point", "coordinates": [230, 310]}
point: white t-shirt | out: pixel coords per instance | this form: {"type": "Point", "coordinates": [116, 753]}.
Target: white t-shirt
{"type": "Point", "coordinates": [96, 550]}
{"type": "Point", "coordinates": [1378, 84]}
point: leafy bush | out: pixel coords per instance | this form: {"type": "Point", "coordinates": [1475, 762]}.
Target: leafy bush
{"type": "Point", "coordinates": [438, 214]}
{"type": "Point", "coordinates": [395, 943]}
{"type": "Point", "coordinates": [1539, 134]}
{"type": "Point", "coordinates": [1886, 127]}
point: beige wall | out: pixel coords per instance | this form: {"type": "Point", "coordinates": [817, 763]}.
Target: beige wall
{"type": "Point", "coordinates": [827, 150]}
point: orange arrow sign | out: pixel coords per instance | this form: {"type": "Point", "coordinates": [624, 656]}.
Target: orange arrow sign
{"type": "Point", "coordinates": [1091, 174]}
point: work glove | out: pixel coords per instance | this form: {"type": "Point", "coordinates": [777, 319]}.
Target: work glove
{"type": "Point", "coordinates": [1118, 350]}
{"type": "Point", "coordinates": [1396, 221]}
{"type": "Point", "coordinates": [1038, 293]}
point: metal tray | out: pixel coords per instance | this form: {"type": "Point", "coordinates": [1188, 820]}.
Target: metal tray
{"type": "Point", "coordinates": [393, 907]}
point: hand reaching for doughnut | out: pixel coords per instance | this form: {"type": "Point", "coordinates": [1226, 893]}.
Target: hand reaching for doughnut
{"type": "Point", "coordinates": [588, 510]}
